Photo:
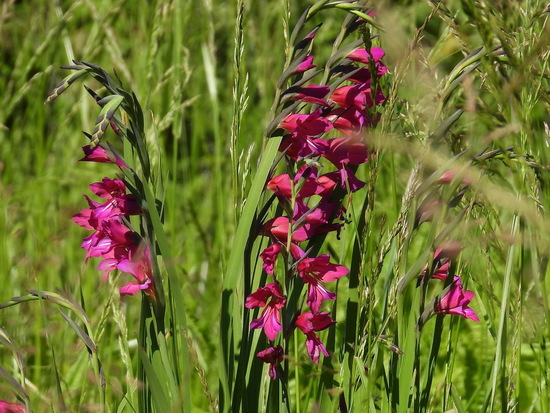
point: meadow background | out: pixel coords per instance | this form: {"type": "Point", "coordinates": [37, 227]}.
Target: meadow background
{"type": "Point", "coordinates": [180, 59]}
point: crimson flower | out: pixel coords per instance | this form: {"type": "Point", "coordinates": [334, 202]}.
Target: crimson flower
{"type": "Point", "coordinates": [273, 356]}
{"type": "Point", "coordinates": [309, 323]}
{"type": "Point", "coordinates": [270, 297]}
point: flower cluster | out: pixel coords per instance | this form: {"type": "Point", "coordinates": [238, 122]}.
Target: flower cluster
{"type": "Point", "coordinates": [331, 130]}
{"type": "Point", "coordinates": [456, 299]}
{"type": "Point", "coordinates": [112, 239]}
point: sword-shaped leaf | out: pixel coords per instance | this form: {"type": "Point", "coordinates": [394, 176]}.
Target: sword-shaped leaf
{"type": "Point", "coordinates": [111, 104]}
{"type": "Point", "coordinates": [64, 84]}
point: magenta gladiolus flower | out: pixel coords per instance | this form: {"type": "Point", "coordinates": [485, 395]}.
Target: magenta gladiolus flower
{"type": "Point", "coordinates": [310, 94]}
{"type": "Point", "coordinates": [306, 64]}
{"type": "Point", "coordinates": [361, 55]}
{"type": "Point", "coordinates": [313, 271]}
{"type": "Point", "coordinates": [456, 302]}
{"type": "Point", "coordinates": [7, 407]}
{"type": "Point", "coordinates": [349, 120]}
{"type": "Point", "coordinates": [270, 297]}
{"type": "Point", "coordinates": [270, 254]}
{"type": "Point", "coordinates": [273, 356]}
{"type": "Point", "coordinates": [311, 124]}
{"type": "Point", "coordinates": [346, 150]}
{"type": "Point", "coordinates": [98, 154]}
{"type": "Point", "coordinates": [279, 227]}
{"type": "Point", "coordinates": [309, 323]}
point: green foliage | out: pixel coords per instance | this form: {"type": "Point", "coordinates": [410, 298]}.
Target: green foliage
{"type": "Point", "coordinates": [468, 91]}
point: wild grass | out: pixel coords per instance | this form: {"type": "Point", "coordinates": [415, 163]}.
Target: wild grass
{"type": "Point", "coordinates": [468, 89]}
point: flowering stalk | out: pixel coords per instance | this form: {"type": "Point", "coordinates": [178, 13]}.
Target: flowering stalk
{"type": "Point", "coordinates": [323, 129]}
{"type": "Point", "coordinates": [128, 235]}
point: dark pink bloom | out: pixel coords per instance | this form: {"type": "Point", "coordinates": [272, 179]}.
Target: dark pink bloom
{"type": "Point", "coordinates": [357, 96]}
{"type": "Point", "coordinates": [138, 265]}
{"type": "Point", "coordinates": [305, 179]}
{"type": "Point", "coordinates": [456, 302]}
{"type": "Point", "coordinates": [318, 219]}
{"type": "Point", "coordinates": [346, 150]}
{"type": "Point", "coordinates": [270, 254]}
{"type": "Point", "coordinates": [300, 146]}
{"type": "Point", "coordinates": [270, 297]}
{"type": "Point", "coordinates": [313, 271]}
{"type": "Point", "coordinates": [361, 55]}
{"type": "Point", "coordinates": [310, 323]}
{"type": "Point", "coordinates": [348, 180]}
{"type": "Point", "coordinates": [279, 227]}
{"type": "Point", "coordinates": [7, 407]}
{"type": "Point", "coordinates": [310, 94]}
{"type": "Point", "coordinates": [348, 120]}
{"type": "Point", "coordinates": [273, 356]}
{"type": "Point", "coordinates": [311, 124]}
{"type": "Point", "coordinates": [306, 64]}
{"type": "Point", "coordinates": [114, 191]}
{"type": "Point", "coordinates": [98, 154]}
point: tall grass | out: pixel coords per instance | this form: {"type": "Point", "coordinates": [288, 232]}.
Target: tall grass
{"type": "Point", "coordinates": [467, 91]}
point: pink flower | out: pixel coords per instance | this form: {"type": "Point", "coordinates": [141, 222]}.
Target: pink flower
{"type": "Point", "coordinates": [311, 124]}
{"type": "Point", "coordinates": [99, 154]}
{"type": "Point", "coordinates": [270, 297]}
{"type": "Point", "coordinates": [7, 407]}
{"type": "Point", "coordinates": [299, 146]}
{"type": "Point", "coordinates": [309, 323]}
{"type": "Point", "coordinates": [313, 271]}
{"type": "Point", "coordinates": [279, 227]}
{"type": "Point", "coordinates": [310, 94]}
{"type": "Point", "coordinates": [270, 254]}
{"type": "Point", "coordinates": [361, 55]}
{"type": "Point", "coordinates": [346, 150]}
{"type": "Point", "coordinates": [306, 64]}
{"type": "Point", "coordinates": [273, 356]}
{"type": "Point", "coordinates": [306, 179]}
{"type": "Point", "coordinates": [456, 302]}
{"type": "Point", "coordinates": [348, 120]}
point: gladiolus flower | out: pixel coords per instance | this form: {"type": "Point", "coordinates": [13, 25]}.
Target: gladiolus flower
{"type": "Point", "coordinates": [273, 356]}
{"type": "Point", "coordinates": [270, 297]}
{"type": "Point", "coordinates": [311, 124]}
{"type": "Point", "coordinates": [310, 94]}
{"type": "Point", "coordinates": [99, 154]}
{"type": "Point", "coordinates": [456, 302]}
{"type": "Point", "coordinates": [309, 323]}
{"type": "Point", "coordinates": [316, 270]}
{"type": "Point", "coordinates": [270, 254]}
{"type": "Point", "coordinates": [7, 407]}
{"type": "Point", "coordinates": [306, 64]}
{"type": "Point", "coordinates": [361, 55]}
